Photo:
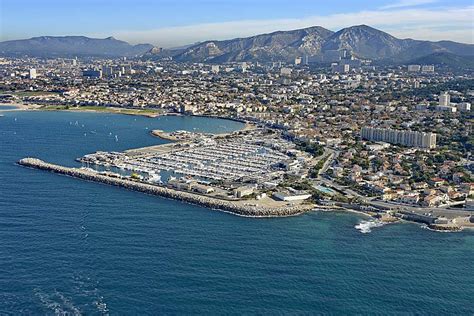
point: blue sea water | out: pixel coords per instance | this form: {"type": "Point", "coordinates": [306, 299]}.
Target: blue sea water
{"type": "Point", "coordinates": [77, 247]}
{"type": "Point", "coordinates": [7, 107]}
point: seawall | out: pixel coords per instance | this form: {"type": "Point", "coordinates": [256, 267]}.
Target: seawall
{"type": "Point", "coordinates": [213, 203]}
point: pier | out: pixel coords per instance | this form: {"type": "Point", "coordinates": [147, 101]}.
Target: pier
{"type": "Point", "coordinates": [234, 207]}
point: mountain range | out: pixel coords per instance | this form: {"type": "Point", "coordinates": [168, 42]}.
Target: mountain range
{"type": "Point", "coordinates": [361, 41]}
{"type": "Point", "coordinates": [315, 42]}
{"type": "Point", "coordinates": [72, 46]}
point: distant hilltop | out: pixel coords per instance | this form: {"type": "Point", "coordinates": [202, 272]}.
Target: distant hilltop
{"type": "Point", "coordinates": [313, 43]}
{"type": "Point", "coordinates": [72, 46]}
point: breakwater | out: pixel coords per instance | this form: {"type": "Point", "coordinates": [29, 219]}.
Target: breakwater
{"type": "Point", "coordinates": [213, 203]}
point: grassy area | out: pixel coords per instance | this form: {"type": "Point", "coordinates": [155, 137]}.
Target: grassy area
{"type": "Point", "coordinates": [104, 109]}
{"type": "Point", "coordinates": [53, 107]}
{"type": "Point", "coordinates": [27, 93]}
{"type": "Point", "coordinates": [312, 148]}
{"type": "Point", "coordinates": [314, 171]}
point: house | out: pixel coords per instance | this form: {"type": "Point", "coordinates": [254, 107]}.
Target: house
{"type": "Point", "coordinates": [432, 200]}
{"type": "Point", "coordinates": [405, 186]}
{"type": "Point", "coordinates": [410, 198]}
{"type": "Point", "coordinates": [395, 179]}
{"type": "Point", "coordinates": [429, 191]}
{"type": "Point", "coordinates": [445, 189]}
{"type": "Point", "coordinates": [388, 196]}
{"type": "Point", "coordinates": [454, 195]}
{"type": "Point", "coordinates": [376, 187]}
{"type": "Point", "coordinates": [468, 188]}
{"type": "Point", "coordinates": [437, 182]}
{"type": "Point", "coordinates": [420, 185]}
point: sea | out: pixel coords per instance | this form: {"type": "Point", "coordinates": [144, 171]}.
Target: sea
{"type": "Point", "coordinates": [72, 247]}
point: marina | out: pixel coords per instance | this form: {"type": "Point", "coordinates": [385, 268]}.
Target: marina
{"type": "Point", "coordinates": [224, 163]}
{"type": "Point", "coordinates": [229, 160]}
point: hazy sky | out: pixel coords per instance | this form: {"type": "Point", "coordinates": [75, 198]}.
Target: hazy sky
{"type": "Point", "coordinates": [169, 23]}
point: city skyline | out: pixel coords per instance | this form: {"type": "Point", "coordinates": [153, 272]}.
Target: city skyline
{"type": "Point", "coordinates": [167, 24]}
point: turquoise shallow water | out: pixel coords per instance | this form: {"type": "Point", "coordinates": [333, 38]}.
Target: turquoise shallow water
{"type": "Point", "coordinates": [82, 247]}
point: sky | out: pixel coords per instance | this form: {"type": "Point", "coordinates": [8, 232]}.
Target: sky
{"type": "Point", "coordinates": [173, 23]}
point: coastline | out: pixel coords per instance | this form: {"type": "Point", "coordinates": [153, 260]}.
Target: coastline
{"type": "Point", "coordinates": [116, 110]}
{"type": "Point", "coordinates": [455, 226]}
{"type": "Point", "coordinates": [234, 208]}
{"type": "Point", "coordinates": [125, 111]}
{"type": "Point", "coordinates": [87, 109]}
{"type": "Point", "coordinates": [20, 107]}
{"type": "Point", "coordinates": [168, 136]}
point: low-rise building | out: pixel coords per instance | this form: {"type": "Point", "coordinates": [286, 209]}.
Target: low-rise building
{"type": "Point", "coordinates": [243, 191]}
{"type": "Point", "coordinates": [291, 196]}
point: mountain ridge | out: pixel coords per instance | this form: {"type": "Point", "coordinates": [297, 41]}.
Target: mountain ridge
{"type": "Point", "coordinates": [262, 47]}
{"type": "Point", "coordinates": [72, 46]}
{"type": "Point", "coordinates": [315, 42]}
{"type": "Point", "coordinates": [361, 41]}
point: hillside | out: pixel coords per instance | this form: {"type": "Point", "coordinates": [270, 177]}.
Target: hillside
{"type": "Point", "coordinates": [71, 46]}
{"type": "Point", "coordinates": [361, 41]}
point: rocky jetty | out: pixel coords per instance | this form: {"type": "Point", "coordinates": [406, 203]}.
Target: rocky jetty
{"type": "Point", "coordinates": [213, 203]}
{"type": "Point", "coordinates": [445, 227]}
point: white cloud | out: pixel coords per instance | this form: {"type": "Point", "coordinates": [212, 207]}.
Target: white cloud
{"type": "Point", "coordinates": [426, 34]}
{"type": "Point", "coordinates": [429, 24]}
{"type": "Point", "coordinates": [407, 3]}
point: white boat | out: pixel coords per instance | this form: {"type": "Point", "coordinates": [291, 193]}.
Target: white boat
{"type": "Point", "coordinates": [154, 178]}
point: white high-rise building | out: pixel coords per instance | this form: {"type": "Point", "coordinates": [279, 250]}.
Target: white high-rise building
{"type": "Point", "coordinates": [428, 68]}
{"type": "Point", "coordinates": [32, 73]}
{"type": "Point", "coordinates": [414, 68]}
{"type": "Point", "coordinates": [464, 106]}
{"type": "Point", "coordinates": [340, 68]}
{"type": "Point", "coordinates": [446, 108]}
{"type": "Point", "coordinates": [107, 71]}
{"type": "Point", "coordinates": [285, 71]}
{"type": "Point", "coordinates": [393, 136]}
{"type": "Point", "coordinates": [444, 99]}
{"type": "Point", "coordinates": [215, 69]}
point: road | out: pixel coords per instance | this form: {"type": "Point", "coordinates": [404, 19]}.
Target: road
{"type": "Point", "coordinates": [330, 154]}
{"type": "Point", "coordinates": [447, 212]}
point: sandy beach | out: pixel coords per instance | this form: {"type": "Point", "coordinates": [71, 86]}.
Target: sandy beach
{"type": "Point", "coordinates": [19, 106]}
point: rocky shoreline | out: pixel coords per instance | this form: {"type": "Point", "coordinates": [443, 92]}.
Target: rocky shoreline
{"type": "Point", "coordinates": [213, 203]}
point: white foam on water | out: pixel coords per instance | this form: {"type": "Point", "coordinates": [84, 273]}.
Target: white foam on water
{"type": "Point", "coordinates": [57, 303]}
{"type": "Point", "coordinates": [365, 227]}
{"type": "Point", "coordinates": [101, 305]}
{"type": "Point", "coordinates": [68, 304]}
{"type": "Point", "coordinates": [86, 286]}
